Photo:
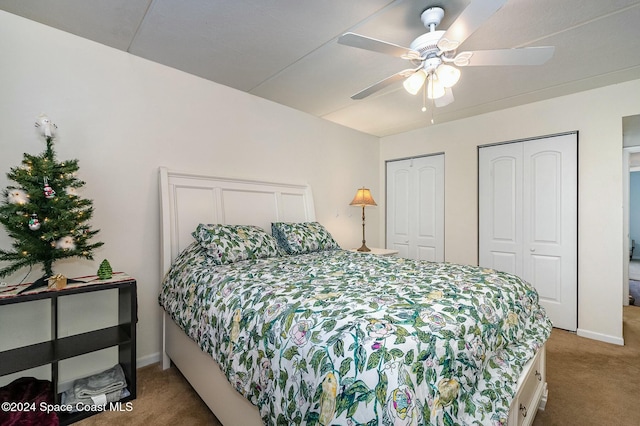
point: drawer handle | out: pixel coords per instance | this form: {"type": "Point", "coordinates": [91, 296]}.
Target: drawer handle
{"type": "Point", "coordinates": [539, 376]}
{"type": "Point", "coordinates": [523, 410]}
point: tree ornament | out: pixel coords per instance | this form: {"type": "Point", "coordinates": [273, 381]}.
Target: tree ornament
{"type": "Point", "coordinates": [46, 127]}
{"type": "Point", "coordinates": [57, 281]}
{"type": "Point", "coordinates": [49, 193]}
{"type": "Point", "coordinates": [34, 223]}
{"type": "Point", "coordinates": [66, 243]}
{"type": "Point", "coordinates": [17, 196]}
{"type": "Point", "coordinates": [104, 270]}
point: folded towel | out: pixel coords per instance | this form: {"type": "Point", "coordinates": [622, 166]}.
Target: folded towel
{"type": "Point", "coordinates": [70, 400]}
{"type": "Point", "coordinates": [106, 382]}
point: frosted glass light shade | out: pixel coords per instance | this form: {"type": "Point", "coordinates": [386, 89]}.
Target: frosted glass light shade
{"type": "Point", "coordinates": [414, 82]}
{"type": "Point", "coordinates": [448, 76]}
{"type": "Point", "coordinates": [435, 89]}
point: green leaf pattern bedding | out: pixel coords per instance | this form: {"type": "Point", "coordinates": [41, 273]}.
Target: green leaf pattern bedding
{"type": "Point", "coordinates": [337, 337]}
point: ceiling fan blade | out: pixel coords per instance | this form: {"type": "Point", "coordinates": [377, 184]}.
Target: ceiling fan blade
{"type": "Point", "coordinates": [384, 83]}
{"type": "Point", "coordinates": [467, 22]}
{"type": "Point", "coordinates": [375, 45]}
{"type": "Point", "coordinates": [521, 56]}
{"type": "Point", "coordinates": [446, 99]}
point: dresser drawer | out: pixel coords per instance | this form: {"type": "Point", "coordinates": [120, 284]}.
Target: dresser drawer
{"type": "Point", "coordinates": [529, 392]}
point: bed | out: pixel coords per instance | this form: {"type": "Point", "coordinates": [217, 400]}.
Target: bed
{"type": "Point", "coordinates": [331, 336]}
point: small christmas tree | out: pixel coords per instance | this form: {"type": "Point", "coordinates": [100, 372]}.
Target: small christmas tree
{"type": "Point", "coordinates": [43, 213]}
{"type": "Point", "coordinates": [104, 270]}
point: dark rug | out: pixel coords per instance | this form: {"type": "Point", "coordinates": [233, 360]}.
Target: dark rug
{"type": "Point", "coordinates": [634, 290]}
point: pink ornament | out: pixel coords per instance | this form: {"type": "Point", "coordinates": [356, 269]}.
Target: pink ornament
{"type": "Point", "coordinates": [48, 191]}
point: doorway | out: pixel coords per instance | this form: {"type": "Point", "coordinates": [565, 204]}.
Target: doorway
{"type": "Point", "coordinates": [631, 219]}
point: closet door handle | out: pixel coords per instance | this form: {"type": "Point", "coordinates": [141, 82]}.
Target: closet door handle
{"type": "Point", "coordinates": [532, 249]}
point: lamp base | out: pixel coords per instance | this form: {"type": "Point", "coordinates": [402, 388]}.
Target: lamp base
{"type": "Point", "coordinates": [364, 247]}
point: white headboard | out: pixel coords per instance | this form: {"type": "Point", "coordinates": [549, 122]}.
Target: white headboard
{"type": "Point", "coordinates": [187, 200]}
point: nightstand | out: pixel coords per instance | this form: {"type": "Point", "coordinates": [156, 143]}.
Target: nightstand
{"type": "Point", "coordinates": [377, 251]}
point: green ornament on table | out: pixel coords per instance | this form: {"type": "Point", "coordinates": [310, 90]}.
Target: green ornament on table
{"type": "Point", "coordinates": [104, 270]}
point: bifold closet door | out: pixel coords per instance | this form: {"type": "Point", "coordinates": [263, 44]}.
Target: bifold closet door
{"type": "Point", "coordinates": [528, 214]}
{"type": "Point", "coordinates": [415, 207]}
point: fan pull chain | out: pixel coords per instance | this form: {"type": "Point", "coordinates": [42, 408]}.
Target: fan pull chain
{"type": "Point", "coordinates": [424, 100]}
{"type": "Point", "coordinates": [424, 97]}
{"type": "Point", "coordinates": [433, 108]}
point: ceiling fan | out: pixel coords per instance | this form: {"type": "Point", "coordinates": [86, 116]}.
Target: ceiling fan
{"type": "Point", "coordinates": [434, 54]}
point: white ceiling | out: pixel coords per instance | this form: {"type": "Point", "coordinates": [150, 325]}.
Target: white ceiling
{"type": "Point", "coordinates": [287, 50]}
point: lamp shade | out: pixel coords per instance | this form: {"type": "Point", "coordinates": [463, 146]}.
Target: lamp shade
{"type": "Point", "coordinates": [363, 198]}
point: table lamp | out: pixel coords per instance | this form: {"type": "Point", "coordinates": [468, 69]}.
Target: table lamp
{"type": "Point", "coordinates": [363, 198]}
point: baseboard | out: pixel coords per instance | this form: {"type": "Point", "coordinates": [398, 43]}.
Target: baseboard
{"type": "Point", "coordinates": [601, 337]}
{"type": "Point", "coordinates": [148, 360]}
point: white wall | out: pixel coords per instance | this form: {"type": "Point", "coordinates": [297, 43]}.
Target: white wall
{"type": "Point", "coordinates": [597, 115]}
{"type": "Point", "coordinates": [122, 117]}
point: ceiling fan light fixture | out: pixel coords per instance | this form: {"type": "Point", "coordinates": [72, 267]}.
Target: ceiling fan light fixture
{"type": "Point", "coordinates": [414, 82]}
{"type": "Point", "coordinates": [448, 76]}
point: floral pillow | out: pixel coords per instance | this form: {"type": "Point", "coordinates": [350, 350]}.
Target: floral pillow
{"type": "Point", "coordinates": [304, 237]}
{"type": "Point", "coordinates": [233, 243]}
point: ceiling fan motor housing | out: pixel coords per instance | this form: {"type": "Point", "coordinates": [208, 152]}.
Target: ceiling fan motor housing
{"type": "Point", "coordinates": [427, 46]}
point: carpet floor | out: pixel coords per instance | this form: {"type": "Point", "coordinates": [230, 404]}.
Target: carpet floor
{"type": "Point", "coordinates": [590, 383]}
{"type": "Point", "coordinates": [164, 398]}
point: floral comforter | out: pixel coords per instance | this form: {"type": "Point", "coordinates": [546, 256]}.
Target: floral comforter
{"type": "Point", "coordinates": [337, 337]}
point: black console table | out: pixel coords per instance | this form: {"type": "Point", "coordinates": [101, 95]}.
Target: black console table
{"type": "Point", "coordinates": [57, 348]}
